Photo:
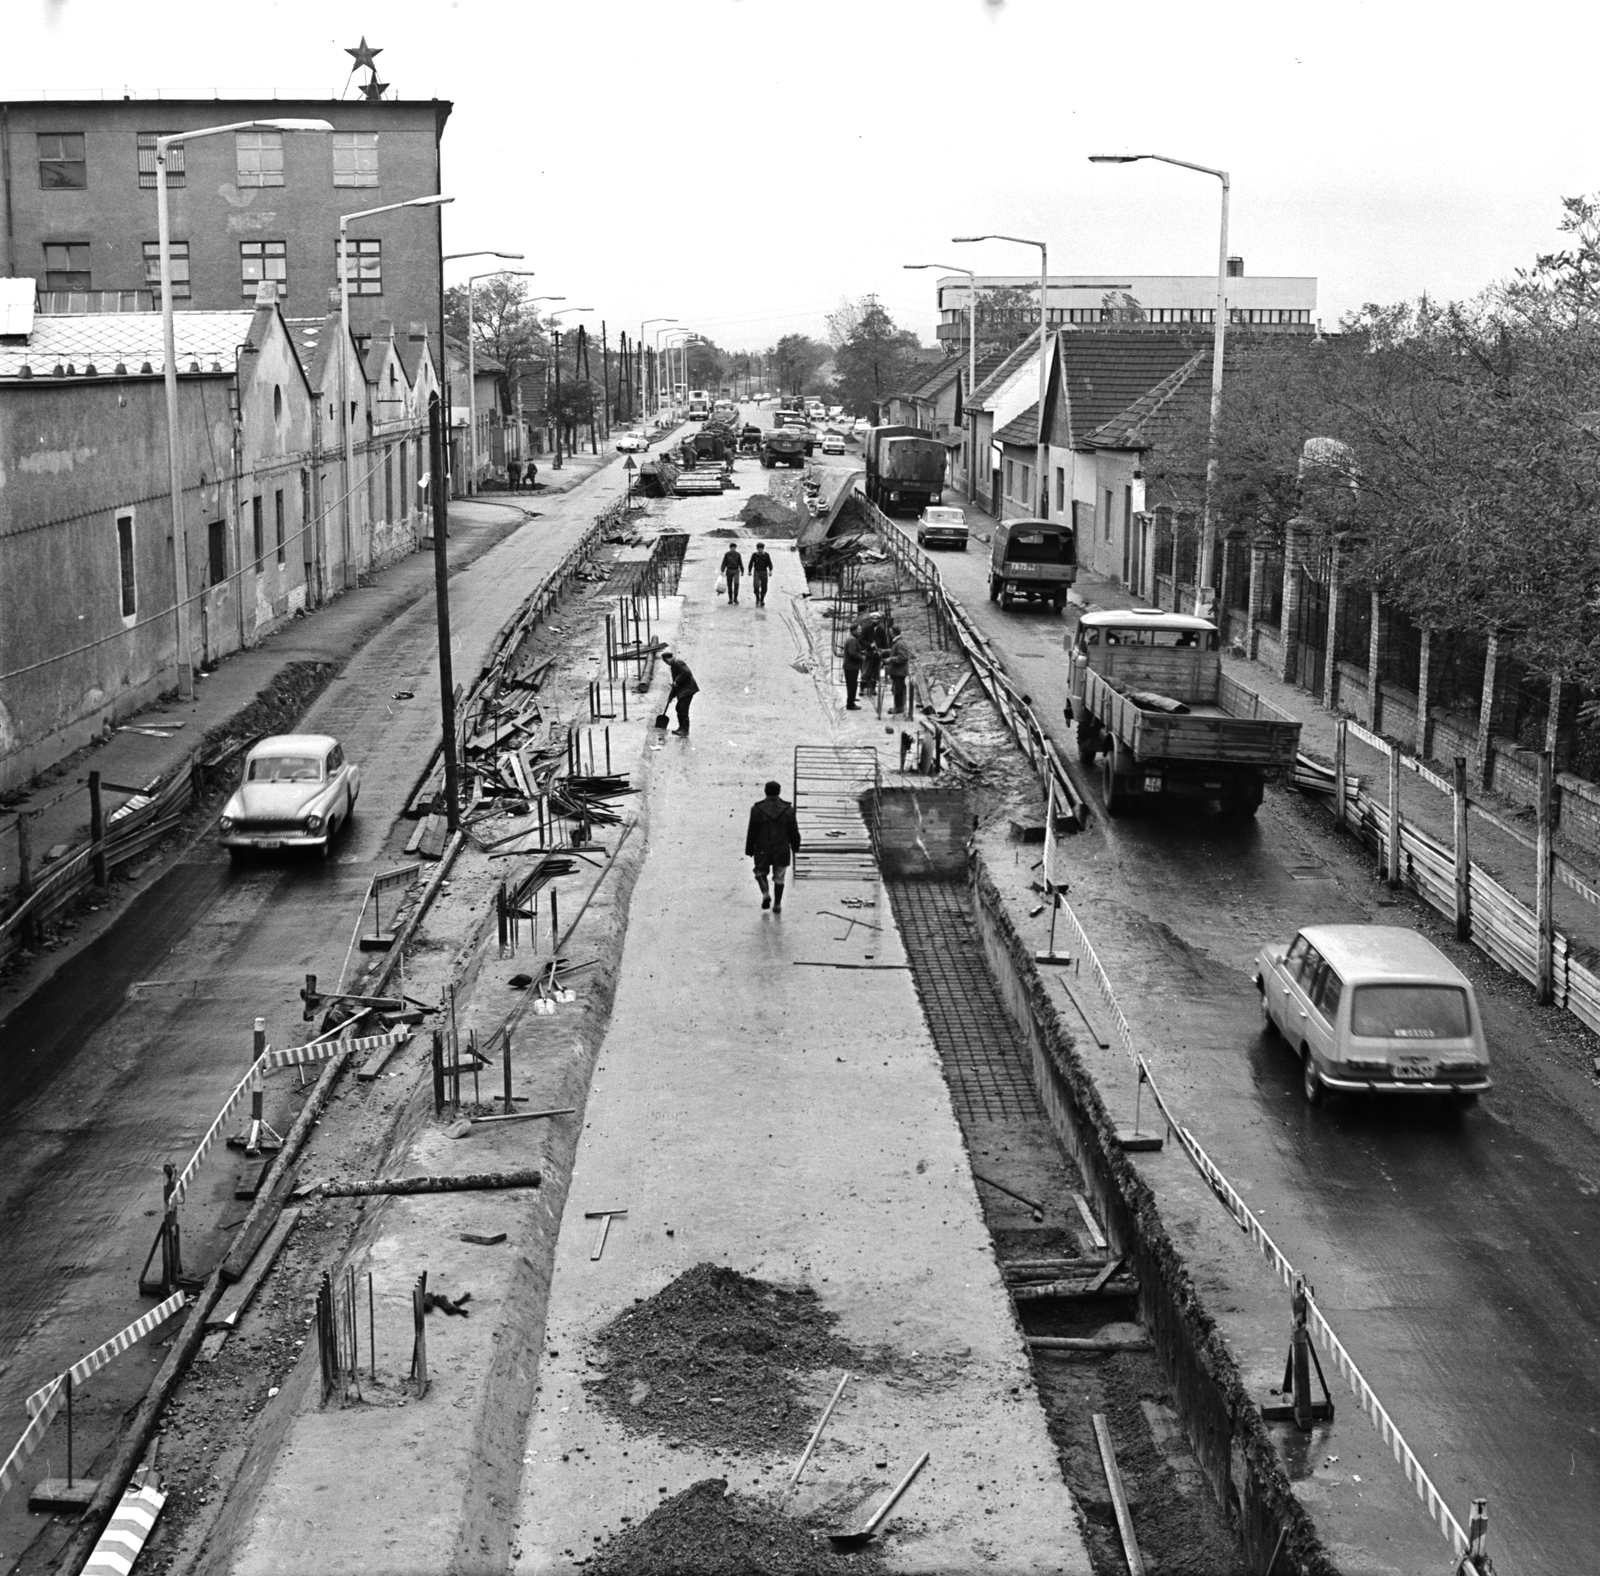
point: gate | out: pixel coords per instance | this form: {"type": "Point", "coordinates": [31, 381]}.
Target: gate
{"type": "Point", "coordinates": [1310, 633]}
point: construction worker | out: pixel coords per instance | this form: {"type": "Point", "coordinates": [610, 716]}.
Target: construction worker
{"type": "Point", "coordinates": [772, 838]}
{"type": "Point", "coordinates": [898, 667]}
{"type": "Point", "coordinates": [760, 572]}
{"type": "Point", "coordinates": [852, 667]}
{"type": "Point", "coordinates": [683, 690]}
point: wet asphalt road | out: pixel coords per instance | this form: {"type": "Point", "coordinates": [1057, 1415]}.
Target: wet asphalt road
{"type": "Point", "coordinates": [121, 1061]}
{"type": "Point", "coordinates": [1455, 1256]}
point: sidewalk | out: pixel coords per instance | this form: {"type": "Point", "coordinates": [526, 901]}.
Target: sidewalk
{"type": "Point", "coordinates": [329, 634]}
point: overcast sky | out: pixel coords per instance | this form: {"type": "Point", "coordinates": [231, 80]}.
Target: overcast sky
{"type": "Point", "coordinates": [742, 164]}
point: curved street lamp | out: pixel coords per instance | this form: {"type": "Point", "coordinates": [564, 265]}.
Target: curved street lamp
{"type": "Point", "coordinates": [169, 376]}
{"type": "Point", "coordinates": [972, 356]}
{"type": "Point", "coordinates": [1218, 341]}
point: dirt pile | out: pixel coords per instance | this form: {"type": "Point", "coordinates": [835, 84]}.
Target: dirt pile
{"type": "Point", "coordinates": [706, 1531]}
{"type": "Point", "coordinates": [771, 516]}
{"type": "Point", "coordinates": [712, 1357]}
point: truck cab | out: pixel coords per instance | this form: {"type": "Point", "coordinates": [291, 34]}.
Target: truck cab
{"type": "Point", "coordinates": [699, 404]}
{"type": "Point", "coordinates": [1032, 561]}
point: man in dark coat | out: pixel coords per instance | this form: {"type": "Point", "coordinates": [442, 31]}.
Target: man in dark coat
{"type": "Point", "coordinates": [873, 645]}
{"type": "Point", "coordinates": [898, 667]}
{"type": "Point", "coordinates": [732, 570]}
{"type": "Point", "coordinates": [760, 572]}
{"type": "Point", "coordinates": [684, 689]}
{"type": "Point", "coordinates": [852, 667]}
{"type": "Point", "coordinates": [773, 837]}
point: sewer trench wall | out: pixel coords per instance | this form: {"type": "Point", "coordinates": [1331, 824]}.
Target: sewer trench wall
{"type": "Point", "coordinates": [1224, 1425]}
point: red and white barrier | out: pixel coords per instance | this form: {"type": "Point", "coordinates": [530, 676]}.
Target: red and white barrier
{"type": "Point", "coordinates": [127, 1533]}
{"type": "Point", "coordinates": [11, 1469]}
{"type": "Point", "coordinates": [94, 1361]}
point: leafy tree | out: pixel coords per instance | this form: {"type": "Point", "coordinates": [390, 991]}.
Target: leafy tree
{"type": "Point", "coordinates": [875, 359]}
{"type": "Point", "coordinates": [794, 364]}
{"type": "Point", "coordinates": [1006, 316]}
{"type": "Point", "coordinates": [505, 325]}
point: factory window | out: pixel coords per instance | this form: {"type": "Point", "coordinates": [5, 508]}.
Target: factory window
{"type": "Point", "coordinates": [217, 550]}
{"type": "Point", "coordinates": [179, 251]}
{"type": "Point", "coordinates": [147, 161]}
{"type": "Point", "coordinates": [66, 265]}
{"type": "Point", "coordinates": [257, 541]}
{"type": "Point", "coordinates": [259, 260]}
{"type": "Point", "coordinates": [355, 158]}
{"type": "Point", "coordinates": [366, 266]}
{"type": "Point", "coordinates": [277, 510]}
{"type": "Point", "coordinates": [259, 156]}
{"type": "Point", "coordinates": [61, 162]}
{"type": "Point", "coordinates": [130, 600]}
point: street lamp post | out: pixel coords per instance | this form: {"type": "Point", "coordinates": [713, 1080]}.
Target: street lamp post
{"type": "Point", "coordinates": [1219, 333]}
{"type": "Point", "coordinates": [435, 201]}
{"type": "Point", "coordinates": [1043, 461]}
{"type": "Point", "coordinates": [557, 336]}
{"type": "Point", "coordinates": [671, 382]}
{"type": "Point", "coordinates": [169, 377]}
{"type": "Point", "coordinates": [472, 364]}
{"type": "Point", "coordinates": [642, 327]}
{"type": "Point", "coordinates": [972, 362]}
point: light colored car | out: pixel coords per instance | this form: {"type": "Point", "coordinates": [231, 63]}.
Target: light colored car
{"type": "Point", "coordinates": [861, 425]}
{"type": "Point", "coordinates": [633, 443]}
{"type": "Point", "coordinates": [942, 527]}
{"type": "Point", "coordinates": [833, 443]}
{"type": "Point", "coordinates": [297, 791]}
{"type": "Point", "coordinates": [1374, 1009]}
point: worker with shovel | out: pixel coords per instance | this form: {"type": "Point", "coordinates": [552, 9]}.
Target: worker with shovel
{"type": "Point", "coordinates": [684, 689]}
{"type": "Point", "coordinates": [772, 839]}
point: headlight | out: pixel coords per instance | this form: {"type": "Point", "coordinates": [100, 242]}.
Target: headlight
{"type": "Point", "coordinates": [313, 823]}
{"type": "Point", "coordinates": [226, 824]}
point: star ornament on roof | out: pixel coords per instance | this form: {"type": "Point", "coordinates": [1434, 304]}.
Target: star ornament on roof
{"type": "Point", "coordinates": [364, 56]}
{"type": "Point", "coordinates": [373, 89]}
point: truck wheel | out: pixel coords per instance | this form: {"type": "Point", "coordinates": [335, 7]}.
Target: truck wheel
{"type": "Point", "coordinates": [1115, 797]}
{"type": "Point", "coordinates": [1059, 600]}
{"type": "Point", "coordinates": [1088, 741]}
{"type": "Point", "coordinates": [994, 589]}
{"type": "Point", "coordinates": [1243, 801]}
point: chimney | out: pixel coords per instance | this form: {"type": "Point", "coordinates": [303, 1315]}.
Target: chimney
{"type": "Point", "coordinates": [1236, 268]}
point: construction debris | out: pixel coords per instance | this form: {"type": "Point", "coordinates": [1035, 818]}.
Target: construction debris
{"type": "Point", "coordinates": [472, 1182]}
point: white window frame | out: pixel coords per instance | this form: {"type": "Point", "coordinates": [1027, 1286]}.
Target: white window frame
{"type": "Point", "coordinates": [262, 259]}
{"type": "Point", "coordinates": [366, 265]}
{"type": "Point", "coordinates": [357, 153]}
{"type": "Point", "coordinates": [258, 158]}
{"type": "Point", "coordinates": [179, 250]}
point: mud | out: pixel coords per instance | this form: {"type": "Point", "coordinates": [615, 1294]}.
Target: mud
{"type": "Point", "coordinates": [706, 1531]}
{"type": "Point", "coordinates": [713, 1357]}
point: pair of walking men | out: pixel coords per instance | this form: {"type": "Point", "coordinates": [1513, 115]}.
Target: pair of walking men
{"type": "Point", "coordinates": [760, 571]}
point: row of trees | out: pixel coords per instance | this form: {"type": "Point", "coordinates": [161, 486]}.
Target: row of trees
{"type": "Point", "coordinates": [1463, 471]}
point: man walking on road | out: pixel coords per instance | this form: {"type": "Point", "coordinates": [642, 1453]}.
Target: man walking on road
{"type": "Point", "coordinates": [852, 667]}
{"type": "Point", "coordinates": [684, 689]}
{"type": "Point", "coordinates": [760, 572]}
{"type": "Point", "coordinates": [773, 837]}
{"type": "Point", "coordinates": [732, 569]}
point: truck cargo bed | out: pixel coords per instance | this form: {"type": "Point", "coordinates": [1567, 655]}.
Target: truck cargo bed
{"type": "Point", "coordinates": [1238, 727]}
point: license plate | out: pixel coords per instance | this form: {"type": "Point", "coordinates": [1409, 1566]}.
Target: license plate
{"type": "Point", "coordinates": [269, 842]}
{"type": "Point", "coordinates": [1418, 1071]}
{"type": "Point", "coordinates": [1152, 785]}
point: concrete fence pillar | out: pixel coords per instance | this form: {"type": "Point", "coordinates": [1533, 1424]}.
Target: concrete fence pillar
{"type": "Point", "coordinates": [1294, 555]}
{"type": "Point", "coordinates": [1377, 659]}
{"type": "Point", "coordinates": [1420, 745]}
{"type": "Point", "coordinates": [1330, 655]}
{"type": "Point", "coordinates": [1257, 597]}
{"type": "Point", "coordinates": [1491, 707]}
{"type": "Point", "coordinates": [1562, 719]}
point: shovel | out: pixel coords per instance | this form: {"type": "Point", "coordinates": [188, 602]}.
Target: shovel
{"type": "Point", "coordinates": [661, 719]}
{"type": "Point", "coordinates": [855, 1538]}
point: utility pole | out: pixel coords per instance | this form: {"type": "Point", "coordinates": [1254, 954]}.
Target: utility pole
{"type": "Point", "coordinates": [441, 594]}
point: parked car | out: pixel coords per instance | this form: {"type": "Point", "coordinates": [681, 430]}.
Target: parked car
{"type": "Point", "coordinates": [633, 443]}
{"type": "Point", "coordinates": [833, 443]}
{"type": "Point", "coordinates": [1374, 1009]}
{"type": "Point", "coordinates": [942, 526]}
{"type": "Point", "coordinates": [859, 426]}
{"type": "Point", "coordinates": [297, 791]}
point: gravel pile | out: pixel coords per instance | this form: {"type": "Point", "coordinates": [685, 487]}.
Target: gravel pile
{"type": "Point", "coordinates": [715, 1356]}
{"type": "Point", "coordinates": [706, 1531]}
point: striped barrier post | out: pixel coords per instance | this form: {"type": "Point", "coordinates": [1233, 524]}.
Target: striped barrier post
{"type": "Point", "coordinates": [11, 1467]}
{"type": "Point", "coordinates": [259, 1137]}
{"type": "Point", "coordinates": [128, 1531]}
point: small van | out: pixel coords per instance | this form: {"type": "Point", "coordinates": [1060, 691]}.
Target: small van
{"type": "Point", "coordinates": [1374, 1009]}
{"type": "Point", "coordinates": [1032, 561]}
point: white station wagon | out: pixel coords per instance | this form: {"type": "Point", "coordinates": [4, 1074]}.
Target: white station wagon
{"type": "Point", "coordinates": [1374, 1009]}
{"type": "Point", "coordinates": [298, 790]}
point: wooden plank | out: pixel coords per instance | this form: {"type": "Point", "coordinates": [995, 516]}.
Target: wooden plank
{"type": "Point", "coordinates": [237, 1297]}
{"type": "Point", "coordinates": [1091, 1225]}
{"type": "Point", "coordinates": [373, 1066]}
{"type": "Point", "coordinates": [1119, 1497]}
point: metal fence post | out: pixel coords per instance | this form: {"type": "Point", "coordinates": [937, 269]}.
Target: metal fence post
{"type": "Point", "coordinates": [1394, 814]}
{"type": "Point", "coordinates": [1341, 749]}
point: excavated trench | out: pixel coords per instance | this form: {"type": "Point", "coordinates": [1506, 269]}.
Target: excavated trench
{"type": "Point", "coordinates": [1032, 1196]}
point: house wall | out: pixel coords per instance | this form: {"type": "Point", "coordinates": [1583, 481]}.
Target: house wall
{"type": "Point", "coordinates": [114, 215]}
{"type": "Point", "coordinates": [74, 457]}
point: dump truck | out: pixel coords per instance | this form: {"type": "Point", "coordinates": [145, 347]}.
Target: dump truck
{"type": "Point", "coordinates": [783, 446]}
{"type": "Point", "coordinates": [1148, 694]}
{"type": "Point", "coordinates": [905, 468]}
